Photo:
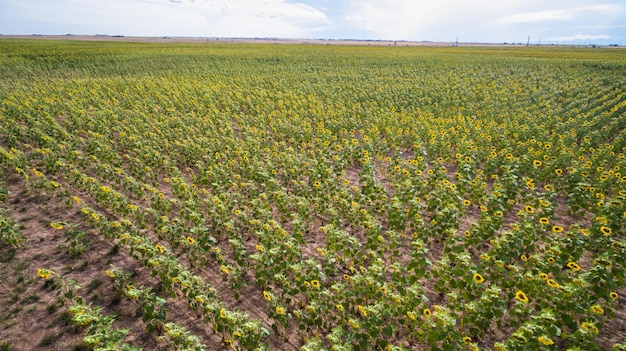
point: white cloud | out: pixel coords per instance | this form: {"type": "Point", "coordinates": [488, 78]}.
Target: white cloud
{"type": "Point", "coordinates": [536, 16]}
{"type": "Point", "coordinates": [482, 20]}
{"type": "Point", "coordinates": [432, 20]}
{"type": "Point", "coordinates": [437, 20]}
{"type": "Point", "coordinates": [581, 37]}
{"type": "Point", "coordinates": [561, 14]}
{"type": "Point", "coordinates": [249, 18]}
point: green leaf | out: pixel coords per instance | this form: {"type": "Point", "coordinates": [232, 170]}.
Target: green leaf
{"type": "Point", "coordinates": [388, 330]}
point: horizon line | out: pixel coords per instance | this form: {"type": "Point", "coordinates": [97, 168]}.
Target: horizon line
{"type": "Point", "coordinates": [151, 38]}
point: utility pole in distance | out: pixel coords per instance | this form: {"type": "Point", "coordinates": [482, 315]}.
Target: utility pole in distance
{"type": "Point", "coordinates": [528, 42]}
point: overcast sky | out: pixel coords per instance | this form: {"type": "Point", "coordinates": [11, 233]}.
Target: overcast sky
{"type": "Point", "coordinates": [496, 21]}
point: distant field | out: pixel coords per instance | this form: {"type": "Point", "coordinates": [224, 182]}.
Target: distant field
{"type": "Point", "coordinates": [184, 196]}
{"type": "Point", "coordinates": [342, 42]}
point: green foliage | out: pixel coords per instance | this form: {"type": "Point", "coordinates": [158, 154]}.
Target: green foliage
{"type": "Point", "coordinates": [367, 196]}
{"type": "Point", "coordinates": [9, 232]}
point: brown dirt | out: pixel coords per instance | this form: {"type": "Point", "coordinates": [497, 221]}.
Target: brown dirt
{"type": "Point", "coordinates": [30, 323]}
{"type": "Point", "coordinates": [32, 318]}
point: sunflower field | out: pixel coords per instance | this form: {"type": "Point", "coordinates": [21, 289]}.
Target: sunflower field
{"type": "Point", "coordinates": [294, 197]}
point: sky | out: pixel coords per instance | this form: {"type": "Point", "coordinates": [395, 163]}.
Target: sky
{"type": "Point", "coordinates": [486, 21]}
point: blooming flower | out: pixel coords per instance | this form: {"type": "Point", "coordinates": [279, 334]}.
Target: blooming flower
{"type": "Point", "coordinates": [56, 225]}
{"type": "Point", "coordinates": [552, 283]}
{"type": "Point", "coordinates": [573, 266]}
{"type": "Point", "coordinates": [362, 310]}
{"type": "Point", "coordinates": [43, 273]}
{"type": "Point", "coordinates": [545, 340]}
{"type": "Point", "coordinates": [110, 274]}
{"type": "Point", "coordinates": [521, 296]}
{"type": "Point", "coordinates": [597, 309]}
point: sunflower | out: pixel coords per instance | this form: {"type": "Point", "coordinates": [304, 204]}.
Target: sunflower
{"type": "Point", "coordinates": [478, 278]}
{"type": "Point", "coordinates": [498, 346]}
{"type": "Point", "coordinates": [410, 315]}
{"type": "Point", "coordinates": [280, 310]}
{"type": "Point", "coordinates": [529, 209]}
{"type": "Point", "coordinates": [362, 310]}
{"type": "Point", "coordinates": [557, 229]}
{"type": "Point", "coordinates": [315, 283]}
{"type": "Point", "coordinates": [43, 273]}
{"type": "Point", "coordinates": [606, 230]}
{"type": "Point", "coordinates": [521, 296]}
{"type": "Point", "coordinates": [159, 248]}
{"type": "Point", "coordinates": [544, 220]}
{"type": "Point", "coordinates": [267, 296]}
{"type": "Point", "coordinates": [552, 283]}
{"type": "Point", "coordinates": [190, 240]}
{"type": "Point", "coordinates": [426, 312]}
{"type": "Point", "coordinates": [110, 274]}
{"type": "Point", "coordinates": [537, 163]}
{"type": "Point", "coordinates": [545, 340]}
{"type": "Point", "coordinates": [597, 309]}
{"type": "Point", "coordinates": [56, 225]}
{"type": "Point", "coordinates": [558, 171]}
{"type": "Point", "coordinates": [589, 327]}
{"type": "Point", "coordinates": [573, 266]}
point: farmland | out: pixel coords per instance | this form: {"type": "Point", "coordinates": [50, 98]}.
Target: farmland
{"type": "Point", "coordinates": [285, 197]}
